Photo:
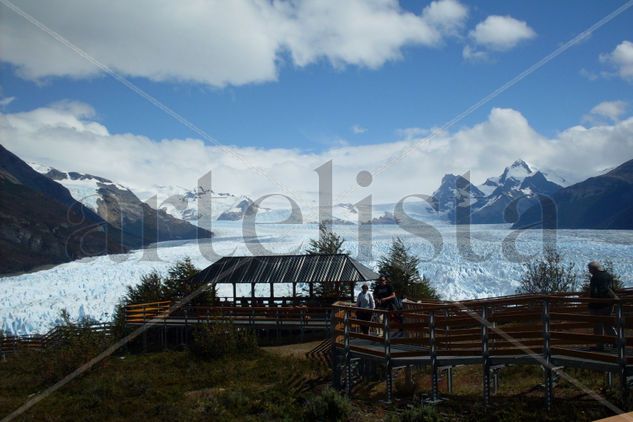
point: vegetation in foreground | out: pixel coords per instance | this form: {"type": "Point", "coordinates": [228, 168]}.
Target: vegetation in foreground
{"type": "Point", "coordinates": [252, 384]}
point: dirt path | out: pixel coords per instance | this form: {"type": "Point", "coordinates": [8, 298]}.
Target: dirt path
{"type": "Point", "coordinates": [295, 350]}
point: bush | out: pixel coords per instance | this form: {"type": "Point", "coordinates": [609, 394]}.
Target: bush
{"type": "Point", "coordinates": [154, 287]}
{"type": "Point", "coordinates": [549, 274]}
{"type": "Point", "coordinates": [328, 406]}
{"type": "Point", "coordinates": [216, 340]}
{"type": "Point", "coordinates": [417, 414]}
{"type": "Point", "coordinates": [76, 344]}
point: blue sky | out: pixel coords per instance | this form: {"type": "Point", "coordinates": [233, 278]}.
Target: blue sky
{"type": "Point", "coordinates": [311, 98]}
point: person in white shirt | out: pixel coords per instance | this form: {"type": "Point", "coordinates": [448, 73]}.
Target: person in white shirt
{"type": "Point", "coordinates": [365, 300]}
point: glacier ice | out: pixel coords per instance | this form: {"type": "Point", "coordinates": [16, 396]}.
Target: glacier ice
{"type": "Point", "coordinates": [91, 287]}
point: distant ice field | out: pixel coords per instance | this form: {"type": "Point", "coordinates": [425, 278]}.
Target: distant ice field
{"type": "Point", "coordinates": [462, 262]}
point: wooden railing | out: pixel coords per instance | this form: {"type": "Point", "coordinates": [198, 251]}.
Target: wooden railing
{"type": "Point", "coordinates": [143, 312]}
{"type": "Point", "coordinates": [170, 313]}
{"type": "Point", "coordinates": [54, 337]}
{"type": "Point", "coordinates": [537, 329]}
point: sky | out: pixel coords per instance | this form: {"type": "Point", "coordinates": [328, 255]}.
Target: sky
{"type": "Point", "coordinates": [261, 93]}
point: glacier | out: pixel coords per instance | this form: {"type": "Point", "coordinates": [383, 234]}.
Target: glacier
{"type": "Point", "coordinates": [91, 287]}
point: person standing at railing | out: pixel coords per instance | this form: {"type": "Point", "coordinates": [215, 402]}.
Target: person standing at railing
{"type": "Point", "coordinates": [384, 294]}
{"type": "Point", "coordinates": [365, 300]}
{"type": "Point", "coordinates": [600, 287]}
{"type": "Point", "coordinates": [386, 298]}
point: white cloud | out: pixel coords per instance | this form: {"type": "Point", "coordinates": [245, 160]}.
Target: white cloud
{"type": "Point", "coordinates": [501, 33]}
{"type": "Point", "coordinates": [472, 54]}
{"type": "Point", "coordinates": [496, 34]}
{"type": "Point", "coordinates": [611, 110]}
{"type": "Point", "coordinates": [448, 16]}
{"type": "Point", "coordinates": [621, 58]}
{"type": "Point", "coordinates": [68, 137]}
{"type": "Point", "coordinates": [358, 129]}
{"type": "Point", "coordinates": [5, 101]}
{"type": "Point", "coordinates": [227, 42]}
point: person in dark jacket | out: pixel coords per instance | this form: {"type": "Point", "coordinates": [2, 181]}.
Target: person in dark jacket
{"type": "Point", "coordinates": [384, 295]}
{"type": "Point", "coordinates": [600, 287]}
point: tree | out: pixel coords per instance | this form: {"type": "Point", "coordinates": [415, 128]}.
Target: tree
{"type": "Point", "coordinates": [549, 274]}
{"type": "Point", "coordinates": [179, 284]}
{"type": "Point", "coordinates": [150, 289]}
{"type": "Point", "coordinates": [328, 243]}
{"type": "Point", "coordinates": [401, 267]}
{"type": "Point", "coordinates": [608, 266]}
{"type": "Point", "coordinates": [154, 287]}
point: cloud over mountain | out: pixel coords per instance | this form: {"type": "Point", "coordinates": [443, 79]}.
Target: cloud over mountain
{"type": "Point", "coordinates": [66, 135]}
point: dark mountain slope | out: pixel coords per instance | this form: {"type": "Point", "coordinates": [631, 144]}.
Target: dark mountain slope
{"type": "Point", "coordinates": [37, 230]}
{"type": "Point", "coordinates": [120, 207]}
{"type": "Point", "coordinates": [602, 202]}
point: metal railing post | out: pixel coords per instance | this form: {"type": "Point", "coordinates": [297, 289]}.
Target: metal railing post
{"type": "Point", "coordinates": [434, 368]}
{"type": "Point", "coordinates": [388, 365]}
{"type": "Point", "coordinates": [336, 373]}
{"type": "Point", "coordinates": [622, 355]}
{"type": "Point", "coordinates": [485, 353]}
{"type": "Point", "coordinates": [278, 324]}
{"type": "Point", "coordinates": [302, 321]}
{"type": "Point", "coordinates": [348, 356]}
{"type": "Point", "coordinates": [547, 355]}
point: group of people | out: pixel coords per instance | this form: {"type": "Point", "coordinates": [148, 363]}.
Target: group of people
{"type": "Point", "coordinates": [601, 286]}
{"type": "Point", "coordinates": [384, 297]}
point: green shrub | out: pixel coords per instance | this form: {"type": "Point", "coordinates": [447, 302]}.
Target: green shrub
{"type": "Point", "coordinates": [548, 274]}
{"type": "Point", "coordinates": [74, 344]}
{"type": "Point", "coordinates": [417, 414]}
{"type": "Point", "coordinates": [328, 406]}
{"type": "Point", "coordinates": [176, 285]}
{"type": "Point", "coordinates": [219, 339]}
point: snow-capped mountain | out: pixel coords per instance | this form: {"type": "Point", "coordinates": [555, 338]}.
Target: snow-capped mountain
{"type": "Point", "coordinates": [499, 199]}
{"type": "Point", "coordinates": [200, 204]}
{"type": "Point", "coordinates": [455, 194]}
{"type": "Point", "coordinates": [203, 205]}
{"type": "Point", "coordinates": [601, 202]}
{"type": "Point", "coordinates": [41, 223]}
{"type": "Point", "coordinates": [119, 206]}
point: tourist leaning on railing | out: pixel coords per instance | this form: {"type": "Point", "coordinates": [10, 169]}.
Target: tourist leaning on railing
{"type": "Point", "coordinates": [601, 287]}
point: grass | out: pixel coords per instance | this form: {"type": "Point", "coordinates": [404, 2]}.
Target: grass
{"type": "Point", "coordinates": [266, 385]}
{"type": "Point", "coordinates": [165, 386]}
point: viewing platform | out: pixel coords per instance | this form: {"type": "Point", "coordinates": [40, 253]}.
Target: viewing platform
{"type": "Point", "coordinates": [552, 331]}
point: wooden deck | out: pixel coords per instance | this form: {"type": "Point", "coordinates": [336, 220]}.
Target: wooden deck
{"type": "Point", "coordinates": [550, 331]}
{"type": "Point", "coordinates": [54, 337]}
{"type": "Point", "coordinates": [278, 324]}
{"type": "Point", "coordinates": [257, 317]}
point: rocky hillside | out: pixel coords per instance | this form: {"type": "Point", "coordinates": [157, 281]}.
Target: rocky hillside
{"type": "Point", "coordinates": [498, 200]}
{"type": "Point", "coordinates": [140, 223]}
{"type": "Point", "coordinates": [601, 202]}
{"type": "Point", "coordinates": [41, 223]}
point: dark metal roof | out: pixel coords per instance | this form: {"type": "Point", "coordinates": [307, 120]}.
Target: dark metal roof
{"type": "Point", "coordinates": [286, 269]}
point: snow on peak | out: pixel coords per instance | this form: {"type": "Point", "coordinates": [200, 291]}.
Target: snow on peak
{"type": "Point", "coordinates": [82, 187]}
{"type": "Point", "coordinates": [40, 168]}
{"type": "Point", "coordinates": [518, 171]}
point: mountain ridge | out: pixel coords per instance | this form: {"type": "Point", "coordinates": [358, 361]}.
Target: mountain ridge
{"type": "Point", "coordinates": [600, 202]}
